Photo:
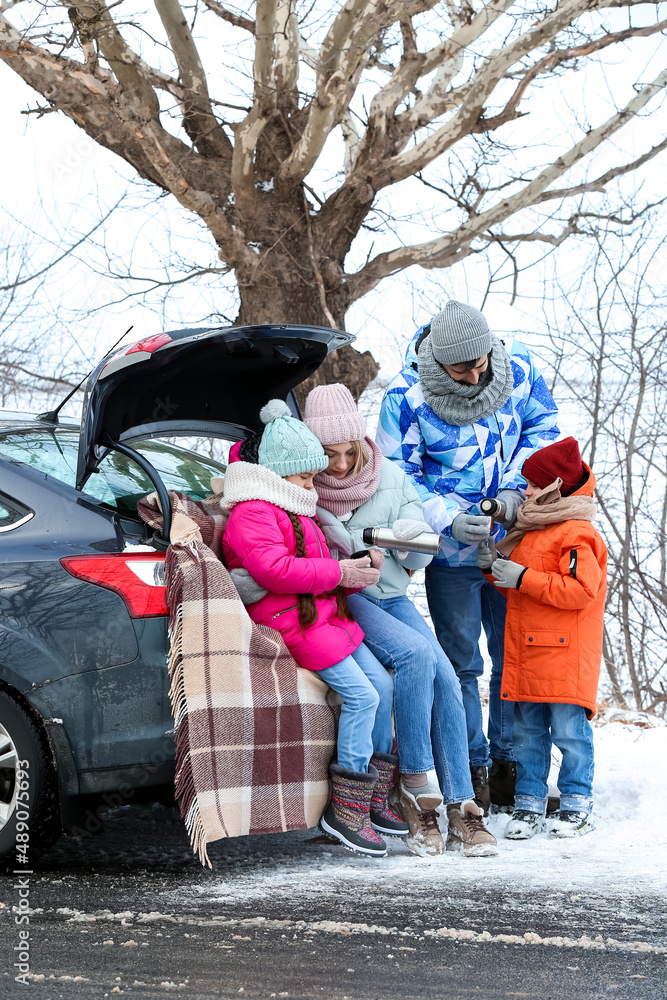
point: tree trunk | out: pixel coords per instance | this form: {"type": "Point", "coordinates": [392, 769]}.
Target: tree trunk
{"type": "Point", "coordinates": [285, 288]}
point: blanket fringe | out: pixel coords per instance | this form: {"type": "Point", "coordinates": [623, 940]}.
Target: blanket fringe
{"type": "Point", "coordinates": [184, 785]}
{"type": "Point", "coordinates": [179, 705]}
{"type": "Point", "coordinates": [195, 828]}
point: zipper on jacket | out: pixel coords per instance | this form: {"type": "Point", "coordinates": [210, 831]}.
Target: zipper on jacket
{"type": "Point", "coordinates": [284, 612]}
{"type": "Point", "coordinates": [500, 434]}
{"type": "Point", "coordinates": [343, 628]}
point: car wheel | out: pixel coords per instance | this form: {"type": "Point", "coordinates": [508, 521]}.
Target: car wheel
{"type": "Point", "coordinates": [29, 815]}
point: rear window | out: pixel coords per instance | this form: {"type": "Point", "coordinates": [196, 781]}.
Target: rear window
{"type": "Point", "coordinates": [12, 513]}
{"type": "Point", "coordinates": [119, 482]}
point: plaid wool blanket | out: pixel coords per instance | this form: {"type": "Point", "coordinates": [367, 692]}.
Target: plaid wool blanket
{"type": "Point", "coordinates": [254, 733]}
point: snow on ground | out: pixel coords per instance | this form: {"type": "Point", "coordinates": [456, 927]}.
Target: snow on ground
{"type": "Point", "coordinates": [625, 857]}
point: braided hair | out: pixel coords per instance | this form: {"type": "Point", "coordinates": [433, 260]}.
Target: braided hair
{"type": "Point", "coordinates": [306, 602]}
{"type": "Point", "coordinates": [249, 450]}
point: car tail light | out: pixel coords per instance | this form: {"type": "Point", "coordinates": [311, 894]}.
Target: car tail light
{"type": "Point", "coordinates": [150, 344]}
{"type": "Point", "coordinates": [138, 579]}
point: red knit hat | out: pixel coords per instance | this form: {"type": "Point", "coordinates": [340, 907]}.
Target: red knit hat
{"type": "Point", "coordinates": [561, 459]}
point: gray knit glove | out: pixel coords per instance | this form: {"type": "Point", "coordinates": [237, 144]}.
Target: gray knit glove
{"type": "Point", "coordinates": [512, 500]}
{"type": "Point", "coordinates": [486, 555]}
{"type": "Point", "coordinates": [248, 589]}
{"type": "Point", "coordinates": [407, 528]}
{"type": "Point", "coordinates": [507, 574]}
{"type": "Point", "coordinates": [356, 574]}
{"type": "Point", "coordinates": [471, 528]}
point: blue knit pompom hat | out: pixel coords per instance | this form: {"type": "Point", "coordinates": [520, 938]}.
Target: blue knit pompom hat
{"type": "Point", "coordinates": [287, 446]}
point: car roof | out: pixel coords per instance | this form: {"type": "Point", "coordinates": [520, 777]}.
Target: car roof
{"type": "Point", "coordinates": [21, 421]}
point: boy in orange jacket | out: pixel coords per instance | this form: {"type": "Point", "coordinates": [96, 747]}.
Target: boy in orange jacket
{"type": "Point", "coordinates": [555, 579]}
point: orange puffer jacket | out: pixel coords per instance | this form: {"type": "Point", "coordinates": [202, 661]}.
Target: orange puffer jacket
{"type": "Point", "coordinates": [553, 631]}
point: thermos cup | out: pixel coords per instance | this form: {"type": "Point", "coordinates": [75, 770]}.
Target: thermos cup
{"type": "Point", "coordinates": [493, 508]}
{"type": "Point", "coordinates": [427, 542]}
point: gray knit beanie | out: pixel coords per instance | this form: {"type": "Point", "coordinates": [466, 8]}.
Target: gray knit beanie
{"type": "Point", "coordinates": [459, 333]}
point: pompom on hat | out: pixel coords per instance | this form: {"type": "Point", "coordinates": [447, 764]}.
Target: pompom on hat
{"type": "Point", "coordinates": [560, 459]}
{"type": "Point", "coordinates": [332, 415]}
{"type": "Point", "coordinates": [287, 446]}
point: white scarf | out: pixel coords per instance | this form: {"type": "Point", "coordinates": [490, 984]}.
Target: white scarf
{"type": "Point", "coordinates": [244, 481]}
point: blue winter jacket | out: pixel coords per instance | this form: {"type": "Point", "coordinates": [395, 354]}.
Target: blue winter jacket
{"type": "Point", "coordinates": [453, 468]}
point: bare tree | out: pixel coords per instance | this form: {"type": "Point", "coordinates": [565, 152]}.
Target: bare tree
{"type": "Point", "coordinates": [609, 359]}
{"type": "Point", "coordinates": [337, 108]}
{"type": "Point", "coordinates": [40, 357]}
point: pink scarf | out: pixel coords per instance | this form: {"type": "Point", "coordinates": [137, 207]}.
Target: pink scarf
{"type": "Point", "coordinates": [340, 496]}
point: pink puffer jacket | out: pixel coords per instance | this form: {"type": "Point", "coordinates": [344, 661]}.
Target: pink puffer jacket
{"type": "Point", "coordinates": [260, 538]}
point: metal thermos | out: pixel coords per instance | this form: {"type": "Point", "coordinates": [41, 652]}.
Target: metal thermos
{"type": "Point", "coordinates": [427, 542]}
{"type": "Point", "coordinates": [493, 508]}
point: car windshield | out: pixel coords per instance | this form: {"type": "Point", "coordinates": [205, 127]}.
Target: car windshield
{"type": "Point", "coordinates": [119, 482]}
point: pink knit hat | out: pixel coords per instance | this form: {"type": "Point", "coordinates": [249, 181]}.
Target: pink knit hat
{"type": "Point", "coordinates": [332, 415]}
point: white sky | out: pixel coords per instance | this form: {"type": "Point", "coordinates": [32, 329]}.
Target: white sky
{"type": "Point", "coordinates": [56, 179]}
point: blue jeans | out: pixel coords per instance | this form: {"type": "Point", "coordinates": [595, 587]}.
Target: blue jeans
{"type": "Point", "coordinates": [536, 727]}
{"type": "Point", "coordinates": [367, 691]}
{"type": "Point", "coordinates": [428, 707]}
{"type": "Point", "coordinates": [461, 601]}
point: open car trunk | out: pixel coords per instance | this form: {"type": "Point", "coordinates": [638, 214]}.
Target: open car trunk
{"type": "Point", "coordinates": [210, 382]}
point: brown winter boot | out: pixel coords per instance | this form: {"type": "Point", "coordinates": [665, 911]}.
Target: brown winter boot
{"type": "Point", "coordinates": [467, 832]}
{"type": "Point", "coordinates": [383, 818]}
{"type": "Point", "coordinates": [480, 787]}
{"type": "Point", "coordinates": [424, 838]}
{"type": "Point", "coordinates": [502, 782]}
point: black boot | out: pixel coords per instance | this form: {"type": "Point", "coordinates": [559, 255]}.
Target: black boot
{"type": "Point", "coordinates": [502, 782]}
{"type": "Point", "coordinates": [480, 787]}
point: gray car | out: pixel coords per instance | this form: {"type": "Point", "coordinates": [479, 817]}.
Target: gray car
{"type": "Point", "coordinates": [84, 713]}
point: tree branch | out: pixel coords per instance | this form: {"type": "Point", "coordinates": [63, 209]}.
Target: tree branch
{"type": "Point", "coordinates": [83, 239]}
{"type": "Point", "coordinates": [397, 168]}
{"type": "Point", "coordinates": [554, 59]}
{"type": "Point", "coordinates": [600, 182]}
{"type": "Point", "coordinates": [286, 66]}
{"type": "Point", "coordinates": [342, 56]}
{"type": "Point", "coordinates": [93, 23]}
{"type": "Point", "coordinates": [445, 248]}
{"type": "Point", "coordinates": [247, 133]}
{"type": "Point", "coordinates": [447, 59]}
{"type": "Point", "coordinates": [105, 113]}
{"type": "Point", "coordinates": [198, 118]}
{"type": "Point", "coordinates": [236, 19]}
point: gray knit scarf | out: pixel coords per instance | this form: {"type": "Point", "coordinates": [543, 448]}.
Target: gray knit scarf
{"type": "Point", "coordinates": [457, 403]}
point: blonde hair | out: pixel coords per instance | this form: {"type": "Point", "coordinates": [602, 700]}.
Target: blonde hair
{"type": "Point", "coordinates": [361, 457]}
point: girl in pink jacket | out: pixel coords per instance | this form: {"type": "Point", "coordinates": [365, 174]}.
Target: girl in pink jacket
{"type": "Point", "coordinates": [272, 533]}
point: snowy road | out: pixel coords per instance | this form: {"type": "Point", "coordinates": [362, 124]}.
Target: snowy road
{"type": "Point", "coordinates": [133, 912]}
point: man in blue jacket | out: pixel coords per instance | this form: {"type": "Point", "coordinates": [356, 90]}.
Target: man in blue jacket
{"type": "Point", "coordinates": [460, 419]}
